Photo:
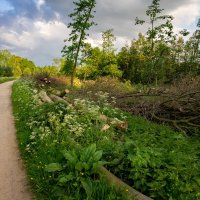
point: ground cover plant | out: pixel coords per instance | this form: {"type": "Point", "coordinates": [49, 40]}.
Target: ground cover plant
{"type": "Point", "coordinates": [55, 168]}
{"type": "Point", "coordinates": [154, 159]}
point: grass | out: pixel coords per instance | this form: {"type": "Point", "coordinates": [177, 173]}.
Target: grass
{"type": "Point", "coordinates": [41, 147]}
{"type": "Point", "coordinates": [154, 159]}
{"type": "Point", "coordinates": [6, 79]}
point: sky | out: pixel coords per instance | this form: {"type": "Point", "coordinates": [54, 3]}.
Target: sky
{"type": "Point", "coordinates": [36, 29]}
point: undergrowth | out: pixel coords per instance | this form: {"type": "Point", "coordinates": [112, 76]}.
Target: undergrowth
{"type": "Point", "coordinates": [154, 159]}
{"type": "Point", "coordinates": [56, 170]}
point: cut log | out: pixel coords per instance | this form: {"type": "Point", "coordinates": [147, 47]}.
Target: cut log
{"type": "Point", "coordinates": [57, 98]}
{"type": "Point", "coordinates": [56, 92]}
{"type": "Point", "coordinates": [44, 97]}
{"type": "Point", "coordinates": [113, 180]}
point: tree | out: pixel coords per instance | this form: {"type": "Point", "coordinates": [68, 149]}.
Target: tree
{"type": "Point", "coordinates": [67, 66]}
{"type": "Point", "coordinates": [58, 62]}
{"type": "Point", "coordinates": [133, 60]}
{"type": "Point", "coordinates": [91, 56]}
{"type": "Point", "coordinates": [14, 62]}
{"type": "Point", "coordinates": [108, 52]}
{"type": "Point", "coordinates": [88, 72]}
{"type": "Point", "coordinates": [80, 25]}
{"type": "Point", "coordinates": [51, 70]}
{"type": "Point", "coordinates": [6, 71]}
{"type": "Point", "coordinates": [5, 56]}
{"type": "Point", "coordinates": [24, 64]}
{"type": "Point", "coordinates": [162, 31]}
{"type": "Point", "coordinates": [108, 41]}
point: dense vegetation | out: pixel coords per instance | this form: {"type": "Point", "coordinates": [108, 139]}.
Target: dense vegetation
{"type": "Point", "coordinates": [55, 168]}
{"type": "Point", "coordinates": [12, 65]}
{"type": "Point", "coordinates": [157, 57]}
{"type": "Point", "coordinates": [154, 159]}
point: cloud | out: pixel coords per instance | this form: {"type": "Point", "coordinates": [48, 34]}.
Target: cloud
{"type": "Point", "coordinates": [42, 42]}
{"type": "Point", "coordinates": [36, 28]}
{"type": "Point", "coordinates": [39, 3]}
{"type": "Point", "coordinates": [189, 18]}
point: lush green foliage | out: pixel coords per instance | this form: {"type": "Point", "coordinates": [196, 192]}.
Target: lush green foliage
{"type": "Point", "coordinates": [139, 64]}
{"type": "Point", "coordinates": [152, 158]}
{"type": "Point", "coordinates": [12, 65]}
{"type": "Point", "coordinates": [98, 62]}
{"type": "Point", "coordinates": [6, 71]}
{"type": "Point", "coordinates": [157, 57]}
{"type": "Point", "coordinates": [56, 168]}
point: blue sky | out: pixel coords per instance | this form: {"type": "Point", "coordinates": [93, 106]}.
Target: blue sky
{"type": "Point", "coordinates": [36, 29]}
{"type": "Point", "coordinates": [5, 6]}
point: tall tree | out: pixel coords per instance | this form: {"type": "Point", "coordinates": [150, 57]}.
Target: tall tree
{"type": "Point", "coordinates": [108, 51]}
{"type": "Point", "coordinates": [5, 56]}
{"type": "Point", "coordinates": [108, 41]}
{"type": "Point", "coordinates": [80, 24]}
{"type": "Point", "coordinates": [162, 31]}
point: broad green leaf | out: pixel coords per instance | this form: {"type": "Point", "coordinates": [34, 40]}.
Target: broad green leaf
{"type": "Point", "coordinates": [98, 155]}
{"type": "Point", "coordinates": [79, 166]}
{"type": "Point", "coordinates": [70, 156]}
{"type": "Point", "coordinates": [87, 185]}
{"type": "Point", "coordinates": [66, 178]}
{"type": "Point", "coordinates": [53, 167]}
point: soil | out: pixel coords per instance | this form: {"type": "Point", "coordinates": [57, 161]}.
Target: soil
{"type": "Point", "coordinates": [13, 183]}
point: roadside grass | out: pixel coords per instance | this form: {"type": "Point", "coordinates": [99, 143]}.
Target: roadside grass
{"type": "Point", "coordinates": [6, 79]}
{"type": "Point", "coordinates": [154, 159]}
{"type": "Point", "coordinates": [38, 151]}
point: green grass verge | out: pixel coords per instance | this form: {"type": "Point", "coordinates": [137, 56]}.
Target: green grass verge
{"type": "Point", "coordinates": [152, 158]}
{"type": "Point", "coordinates": [51, 173]}
{"type": "Point", "coordinates": [6, 79]}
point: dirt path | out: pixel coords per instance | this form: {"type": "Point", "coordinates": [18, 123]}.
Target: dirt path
{"type": "Point", "coordinates": [13, 184]}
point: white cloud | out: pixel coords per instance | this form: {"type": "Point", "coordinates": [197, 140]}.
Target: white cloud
{"type": "Point", "coordinates": [185, 16]}
{"type": "Point", "coordinates": [39, 3]}
{"type": "Point", "coordinates": [15, 39]}
{"type": "Point", "coordinates": [50, 30]}
{"type": "Point", "coordinates": [41, 39]}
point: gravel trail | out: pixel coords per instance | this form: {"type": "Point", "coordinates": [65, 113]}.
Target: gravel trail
{"type": "Point", "coordinates": [13, 183]}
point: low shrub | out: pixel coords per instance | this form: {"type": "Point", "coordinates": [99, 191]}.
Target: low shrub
{"type": "Point", "coordinates": [109, 84]}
